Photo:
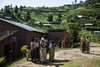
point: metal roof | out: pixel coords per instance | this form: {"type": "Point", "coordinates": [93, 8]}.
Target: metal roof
{"type": "Point", "coordinates": [26, 27]}
{"type": "Point", "coordinates": [6, 33]}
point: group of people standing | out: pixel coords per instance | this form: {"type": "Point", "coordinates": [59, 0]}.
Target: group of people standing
{"type": "Point", "coordinates": [39, 49]}
{"type": "Point", "coordinates": [85, 44]}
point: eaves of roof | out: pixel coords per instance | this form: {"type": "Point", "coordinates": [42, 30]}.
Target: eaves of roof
{"type": "Point", "coordinates": [26, 27]}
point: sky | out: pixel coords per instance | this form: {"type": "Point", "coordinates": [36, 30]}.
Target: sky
{"type": "Point", "coordinates": [36, 3]}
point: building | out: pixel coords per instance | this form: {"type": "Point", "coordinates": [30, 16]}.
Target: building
{"type": "Point", "coordinates": [22, 35]}
{"type": "Point", "coordinates": [58, 34]}
{"type": "Point", "coordinates": [5, 41]}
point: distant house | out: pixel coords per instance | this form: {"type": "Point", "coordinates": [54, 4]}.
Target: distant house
{"type": "Point", "coordinates": [58, 34]}
{"type": "Point", "coordinates": [47, 25]}
{"type": "Point", "coordinates": [23, 35]}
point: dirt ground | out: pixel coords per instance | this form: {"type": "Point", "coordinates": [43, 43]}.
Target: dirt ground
{"type": "Point", "coordinates": [65, 56]}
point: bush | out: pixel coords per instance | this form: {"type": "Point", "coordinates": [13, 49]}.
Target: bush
{"type": "Point", "coordinates": [23, 49]}
{"type": "Point", "coordinates": [2, 61]}
{"type": "Point", "coordinates": [75, 45]}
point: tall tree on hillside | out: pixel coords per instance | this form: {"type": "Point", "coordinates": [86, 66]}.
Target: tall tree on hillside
{"type": "Point", "coordinates": [27, 16]}
{"type": "Point", "coordinates": [1, 9]}
{"type": "Point", "coordinates": [19, 15]}
{"type": "Point", "coordinates": [50, 18]}
{"type": "Point", "coordinates": [7, 10]}
{"type": "Point", "coordinates": [16, 9]}
{"type": "Point", "coordinates": [75, 1]}
{"type": "Point", "coordinates": [81, 3]}
{"type": "Point", "coordinates": [11, 6]}
{"type": "Point", "coordinates": [59, 15]}
{"type": "Point", "coordinates": [20, 8]}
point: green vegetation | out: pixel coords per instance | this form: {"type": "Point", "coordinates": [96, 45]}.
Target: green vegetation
{"type": "Point", "coordinates": [71, 18]}
{"type": "Point", "coordinates": [23, 49]}
{"type": "Point", "coordinates": [2, 61]}
{"type": "Point", "coordinates": [16, 62]}
{"type": "Point", "coordinates": [83, 62]}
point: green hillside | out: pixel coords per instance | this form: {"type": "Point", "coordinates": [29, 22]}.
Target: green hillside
{"type": "Point", "coordinates": [71, 17]}
{"type": "Point", "coordinates": [56, 15]}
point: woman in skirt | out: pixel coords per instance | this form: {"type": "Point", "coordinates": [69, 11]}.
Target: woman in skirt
{"type": "Point", "coordinates": [43, 51]}
{"type": "Point", "coordinates": [51, 50]}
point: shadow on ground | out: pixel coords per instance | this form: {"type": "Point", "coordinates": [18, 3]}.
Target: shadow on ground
{"type": "Point", "coordinates": [56, 63]}
{"type": "Point", "coordinates": [95, 54]}
{"type": "Point", "coordinates": [95, 46]}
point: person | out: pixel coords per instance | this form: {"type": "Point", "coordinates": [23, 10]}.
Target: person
{"type": "Point", "coordinates": [63, 43]}
{"type": "Point", "coordinates": [42, 39]}
{"type": "Point", "coordinates": [51, 50]}
{"type": "Point", "coordinates": [43, 51]}
{"type": "Point", "coordinates": [32, 49]}
{"type": "Point", "coordinates": [83, 45]}
{"type": "Point", "coordinates": [28, 53]}
{"type": "Point", "coordinates": [66, 42]}
{"type": "Point", "coordinates": [59, 43]}
{"type": "Point", "coordinates": [88, 44]}
{"type": "Point", "coordinates": [37, 51]}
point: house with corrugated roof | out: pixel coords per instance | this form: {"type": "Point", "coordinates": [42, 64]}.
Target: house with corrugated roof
{"type": "Point", "coordinates": [21, 37]}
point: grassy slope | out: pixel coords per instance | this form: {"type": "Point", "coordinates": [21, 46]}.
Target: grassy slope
{"type": "Point", "coordinates": [83, 62]}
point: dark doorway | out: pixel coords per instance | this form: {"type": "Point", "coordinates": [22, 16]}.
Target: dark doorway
{"type": "Point", "coordinates": [8, 52]}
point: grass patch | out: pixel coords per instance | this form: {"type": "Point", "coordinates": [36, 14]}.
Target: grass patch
{"type": "Point", "coordinates": [16, 62]}
{"type": "Point", "coordinates": [84, 62]}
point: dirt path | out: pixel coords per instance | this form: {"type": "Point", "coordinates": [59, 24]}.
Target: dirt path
{"type": "Point", "coordinates": [65, 56]}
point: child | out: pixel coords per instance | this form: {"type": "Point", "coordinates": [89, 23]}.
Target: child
{"type": "Point", "coordinates": [28, 53]}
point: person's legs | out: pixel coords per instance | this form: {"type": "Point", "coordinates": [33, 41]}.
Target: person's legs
{"type": "Point", "coordinates": [50, 54]}
{"type": "Point", "coordinates": [44, 55]}
{"type": "Point", "coordinates": [88, 48]}
{"type": "Point", "coordinates": [32, 55]}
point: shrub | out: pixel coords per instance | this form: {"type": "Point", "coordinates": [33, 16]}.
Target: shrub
{"type": "Point", "coordinates": [2, 61]}
{"type": "Point", "coordinates": [76, 45]}
{"type": "Point", "coordinates": [23, 49]}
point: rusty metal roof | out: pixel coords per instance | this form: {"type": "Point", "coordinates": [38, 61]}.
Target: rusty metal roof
{"type": "Point", "coordinates": [26, 27]}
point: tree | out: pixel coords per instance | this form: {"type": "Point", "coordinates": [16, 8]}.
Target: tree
{"type": "Point", "coordinates": [73, 29]}
{"type": "Point", "coordinates": [20, 8]}
{"type": "Point", "coordinates": [50, 18]}
{"type": "Point", "coordinates": [19, 15]}
{"type": "Point", "coordinates": [59, 16]}
{"type": "Point", "coordinates": [16, 9]}
{"type": "Point", "coordinates": [27, 16]}
{"type": "Point", "coordinates": [31, 22]}
{"type": "Point", "coordinates": [92, 1]}
{"type": "Point", "coordinates": [7, 10]}
{"type": "Point", "coordinates": [1, 9]}
{"type": "Point", "coordinates": [12, 16]}
{"type": "Point", "coordinates": [11, 6]}
{"type": "Point", "coordinates": [75, 1]}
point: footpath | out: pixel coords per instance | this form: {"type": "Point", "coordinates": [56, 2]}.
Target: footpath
{"type": "Point", "coordinates": [65, 56]}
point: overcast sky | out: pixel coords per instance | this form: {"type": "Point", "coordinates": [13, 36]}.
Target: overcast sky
{"type": "Point", "coordinates": [36, 3]}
